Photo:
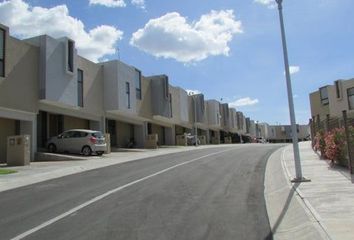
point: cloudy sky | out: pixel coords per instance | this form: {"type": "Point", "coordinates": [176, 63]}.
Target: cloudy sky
{"type": "Point", "coordinates": [226, 49]}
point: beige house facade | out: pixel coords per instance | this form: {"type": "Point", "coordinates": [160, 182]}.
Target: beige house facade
{"type": "Point", "coordinates": [18, 90]}
{"type": "Point", "coordinates": [332, 100]}
{"type": "Point", "coordinates": [47, 88]}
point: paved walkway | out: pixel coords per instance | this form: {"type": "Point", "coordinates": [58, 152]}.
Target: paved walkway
{"type": "Point", "coordinates": [328, 200]}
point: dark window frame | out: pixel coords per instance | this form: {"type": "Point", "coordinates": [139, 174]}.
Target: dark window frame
{"type": "Point", "coordinates": [138, 85]}
{"type": "Point", "coordinates": [338, 90]}
{"type": "Point", "coordinates": [170, 102]}
{"type": "Point", "coordinates": [127, 92]}
{"type": "Point", "coordinates": [350, 95]}
{"type": "Point", "coordinates": [70, 56]}
{"type": "Point", "coordinates": [80, 91]}
{"type": "Point", "coordinates": [166, 88]}
{"type": "Point", "coordinates": [2, 60]}
{"type": "Point", "coordinates": [324, 100]}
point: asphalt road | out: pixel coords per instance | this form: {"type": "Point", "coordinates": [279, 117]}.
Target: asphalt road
{"type": "Point", "coordinates": [215, 193]}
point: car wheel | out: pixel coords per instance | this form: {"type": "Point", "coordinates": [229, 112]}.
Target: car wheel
{"type": "Point", "coordinates": [99, 153]}
{"type": "Point", "coordinates": [52, 148]}
{"type": "Point", "coordinates": [86, 150]}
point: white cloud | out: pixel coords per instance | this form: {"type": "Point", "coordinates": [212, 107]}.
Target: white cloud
{"type": "Point", "coordinates": [269, 3]}
{"type": "Point", "coordinates": [26, 21]}
{"type": "Point", "coordinates": [139, 3]}
{"type": "Point", "coordinates": [294, 69]}
{"type": "Point", "coordinates": [247, 101]}
{"type": "Point", "coordinates": [192, 92]}
{"type": "Point", "coordinates": [118, 3]}
{"type": "Point", "coordinates": [171, 36]}
{"type": "Point", "coordinates": [108, 3]}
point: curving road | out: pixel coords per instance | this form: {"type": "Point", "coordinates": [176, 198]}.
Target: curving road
{"type": "Point", "coordinates": [214, 193]}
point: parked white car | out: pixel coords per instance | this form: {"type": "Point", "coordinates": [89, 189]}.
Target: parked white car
{"type": "Point", "coordinates": [81, 141]}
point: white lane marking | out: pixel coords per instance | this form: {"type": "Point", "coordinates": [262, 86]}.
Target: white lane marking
{"type": "Point", "coordinates": [100, 197]}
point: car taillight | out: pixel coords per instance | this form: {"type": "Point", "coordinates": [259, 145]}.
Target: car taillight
{"type": "Point", "coordinates": [93, 140]}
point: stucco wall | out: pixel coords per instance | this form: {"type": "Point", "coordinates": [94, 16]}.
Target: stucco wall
{"type": "Point", "coordinates": [337, 105]}
{"type": "Point", "coordinates": [93, 86]}
{"type": "Point", "coordinates": [160, 103]}
{"type": "Point", "coordinates": [7, 128]}
{"type": "Point", "coordinates": [19, 88]}
{"type": "Point", "coordinates": [213, 112]}
{"type": "Point", "coordinates": [184, 107]}
{"type": "Point", "coordinates": [75, 123]}
{"type": "Point", "coordinates": [176, 104]}
{"type": "Point", "coordinates": [317, 108]}
{"type": "Point", "coordinates": [144, 105]}
{"type": "Point", "coordinates": [56, 83]}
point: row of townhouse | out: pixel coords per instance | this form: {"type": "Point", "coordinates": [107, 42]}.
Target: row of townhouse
{"type": "Point", "coordinates": [332, 100]}
{"type": "Point", "coordinates": [47, 88]}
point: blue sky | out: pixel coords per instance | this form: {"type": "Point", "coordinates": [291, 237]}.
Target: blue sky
{"type": "Point", "coordinates": [229, 49]}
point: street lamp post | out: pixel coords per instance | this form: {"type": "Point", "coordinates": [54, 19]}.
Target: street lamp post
{"type": "Point", "coordinates": [299, 177]}
{"type": "Point", "coordinates": [195, 120]}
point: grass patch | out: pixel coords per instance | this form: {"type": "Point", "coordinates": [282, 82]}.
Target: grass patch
{"type": "Point", "coordinates": [7, 171]}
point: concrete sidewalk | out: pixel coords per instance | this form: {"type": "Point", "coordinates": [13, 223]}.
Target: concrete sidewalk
{"type": "Point", "coordinates": [327, 201]}
{"type": "Point", "coordinates": [46, 170]}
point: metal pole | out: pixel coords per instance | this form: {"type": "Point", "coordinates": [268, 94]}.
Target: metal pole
{"type": "Point", "coordinates": [298, 170]}
{"type": "Point", "coordinates": [195, 120]}
{"type": "Point", "coordinates": [347, 136]}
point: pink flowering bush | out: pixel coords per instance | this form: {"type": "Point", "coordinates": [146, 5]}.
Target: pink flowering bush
{"type": "Point", "coordinates": [335, 145]}
{"type": "Point", "coordinates": [320, 143]}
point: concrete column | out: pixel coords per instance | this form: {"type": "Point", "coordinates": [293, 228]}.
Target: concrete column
{"type": "Point", "coordinates": [30, 128]}
{"type": "Point", "coordinates": [145, 129]}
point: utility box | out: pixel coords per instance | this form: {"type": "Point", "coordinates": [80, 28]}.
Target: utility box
{"type": "Point", "coordinates": [181, 140]}
{"type": "Point", "coordinates": [215, 140]}
{"type": "Point", "coordinates": [202, 139]}
{"type": "Point", "coordinates": [107, 137]}
{"type": "Point", "coordinates": [18, 150]}
{"type": "Point", "coordinates": [151, 141]}
{"type": "Point", "coordinates": [227, 140]}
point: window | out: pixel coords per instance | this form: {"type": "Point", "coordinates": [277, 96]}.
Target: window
{"type": "Point", "coordinates": [170, 105]}
{"type": "Point", "coordinates": [202, 103]}
{"type": "Point", "coordinates": [2, 52]}
{"type": "Point", "coordinates": [324, 95]}
{"type": "Point", "coordinates": [350, 92]}
{"type": "Point", "coordinates": [166, 92]}
{"type": "Point", "coordinates": [80, 88]}
{"type": "Point", "coordinates": [338, 88]}
{"type": "Point", "coordinates": [70, 60]}
{"type": "Point", "coordinates": [127, 92]}
{"type": "Point", "coordinates": [138, 84]}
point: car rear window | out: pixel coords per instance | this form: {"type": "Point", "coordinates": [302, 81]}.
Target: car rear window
{"type": "Point", "coordinates": [97, 134]}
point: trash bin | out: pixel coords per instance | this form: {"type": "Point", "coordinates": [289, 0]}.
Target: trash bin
{"type": "Point", "coordinates": [18, 150]}
{"type": "Point", "coordinates": [181, 140]}
{"type": "Point", "coordinates": [108, 142]}
{"type": "Point", "coordinates": [151, 141]}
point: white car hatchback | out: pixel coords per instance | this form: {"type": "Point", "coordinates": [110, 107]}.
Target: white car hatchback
{"type": "Point", "coordinates": [81, 141]}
